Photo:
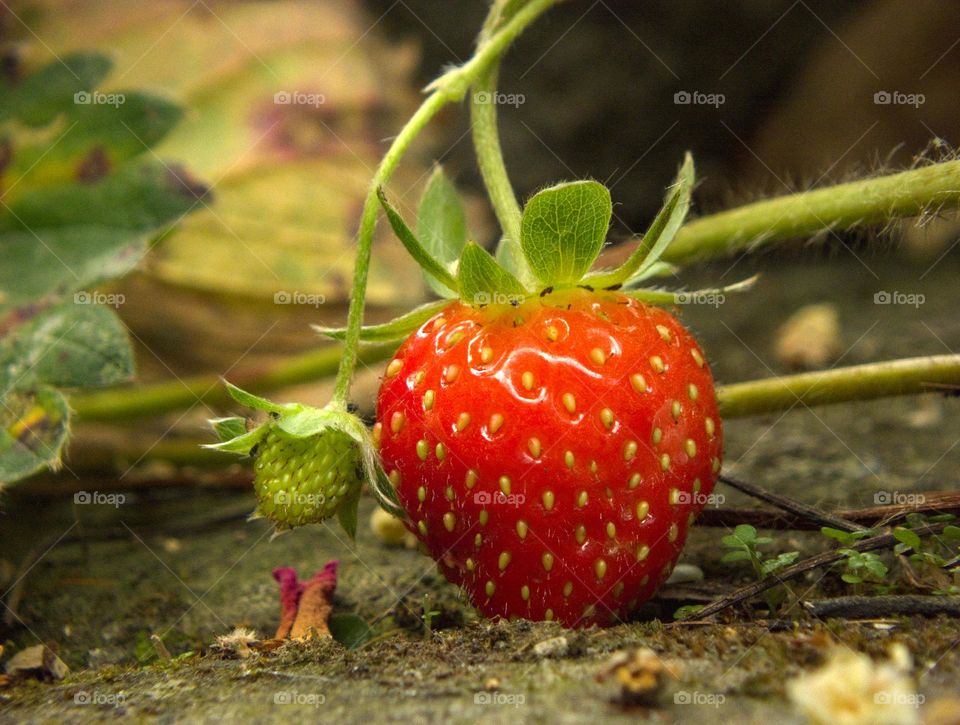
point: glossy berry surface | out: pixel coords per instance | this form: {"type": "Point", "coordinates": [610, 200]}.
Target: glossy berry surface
{"type": "Point", "coordinates": [552, 456]}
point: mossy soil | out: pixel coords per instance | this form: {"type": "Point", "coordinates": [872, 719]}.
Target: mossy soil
{"type": "Point", "coordinates": [185, 565]}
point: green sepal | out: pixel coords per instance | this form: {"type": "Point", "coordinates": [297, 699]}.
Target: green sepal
{"type": "Point", "coordinates": [484, 282]}
{"type": "Point", "coordinates": [256, 402]}
{"type": "Point", "coordinates": [397, 329]}
{"type": "Point", "coordinates": [241, 444]}
{"type": "Point", "coordinates": [347, 512]}
{"type": "Point", "coordinates": [657, 269]}
{"type": "Point", "coordinates": [668, 297]}
{"type": "Point", "coordinates": [228, 428]}
{"type": "Point", "coordinates": [563, 229]}
{"type": "Point", "coordinates": [425, 259]}
{"type": "Point", "coordinates": [441, 226]}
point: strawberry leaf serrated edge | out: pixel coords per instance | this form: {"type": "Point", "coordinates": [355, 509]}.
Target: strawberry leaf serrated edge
{"type": "Point", "coordinates": [424, 258]}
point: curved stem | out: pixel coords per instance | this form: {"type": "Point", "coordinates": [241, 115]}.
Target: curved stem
{"type": "Point", "coordinates": [860, 382]}
{"type": "Point", "coordinates": [870, 201]}
{"type": "Point", "coordinates": [448, 88]}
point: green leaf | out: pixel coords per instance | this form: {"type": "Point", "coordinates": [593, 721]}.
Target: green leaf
{"type": "Point", "coordinates": [68, 237]}
{"type": "Point", "coordinates": [687, 610]}
{"type": "Point", "coordinates": [732, 556]}
{"type": "Point", "coordinates": [350, 630]}
{"type": "Point", "coordinates": [563, 229]}
{"type": "Point", "coordinates": [657, 237]}
{"type": "Point", "coordinates": [228, 428]}
{"type": "Point", "coordinates": [397, 329]}
{"type": "Point", "coordinates": [484, 282]}
{"type": "Point", "coordinates": [907, 537]}
{"type": "Point", "coordinates": [72, 346]}
{"type": "Point", "coordinates": [441, 226]}
{"type": "Point", "coordinates": [256, 402]}
{"type": "Point", "coordinates": [951, 532]}
{"type": "Point", "coordinates": [844, 537]}
{"type": "Point", "coordinates": [745, 533]}
{"type": "Point", "coordinates": [851, 578]}
{"type": "Point", "coordinates": [39, 98]}
{"type": "Point", "coordinates": [425, 259]}
{"type": "Point", "coordinates": [34, 425]}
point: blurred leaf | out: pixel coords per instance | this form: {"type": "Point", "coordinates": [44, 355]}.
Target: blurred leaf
{"type": "Point", "coordinates": [907, 537]}
{"type": "Point", "coordinates": [71, 346]}
{"type": "Point", "coordinates": [39, 98]}
{"type": "Point", "coordinates": [33, 428]}
{"type": "Point", "coordinates": [71, 236]}
{"type": "Point", "coordinates": [350, 630]}
{"type": "Point", "coordinates": [229, 428]}
{"type": "Point", "coordinates": [442, 225]}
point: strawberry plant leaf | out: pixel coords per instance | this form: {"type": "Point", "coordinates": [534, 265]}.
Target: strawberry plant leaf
{"type": "Point", "coordinates": [397, 329]}
{"type": "Point", "coordinates": [563, 229]}
{"type": "Point", "coordinates": [483, 282]}
{"type": "Point", "coordinates": [67, 237]}
{"type": "Point", "coordinates": [255, 402]}
{"type": "Point", "coordinates": [424, 258]}
{"type": "Point", "coordinates": [71, 346]}
{"type": "Point", "coordinates": [441, 226]}
{"type": "Point", "coordinates": [42, 96]}
{"type": "Point", "coordinates": [906, 536]}
{"type": "Point", "coordinates": [34, 425]}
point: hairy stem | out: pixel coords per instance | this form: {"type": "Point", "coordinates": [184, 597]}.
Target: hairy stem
{"type": "Point", "coordinates": [450, 88]}
{"type": "Point", "coordinates": [869, 201]}
{"type": "Point", "coordinates": [859, 382]}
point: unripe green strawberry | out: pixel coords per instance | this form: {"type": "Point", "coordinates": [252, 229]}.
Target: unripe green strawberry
{"type": "Point", "coordinates": [304, 480]}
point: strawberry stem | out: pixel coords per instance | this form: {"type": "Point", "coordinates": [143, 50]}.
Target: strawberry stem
{"type": "Point", "coordinates": [855, 204]}
{"type": "Point", "coordinates": [907, 376]}
{"type": "Point", "coordinates": [449, 88]}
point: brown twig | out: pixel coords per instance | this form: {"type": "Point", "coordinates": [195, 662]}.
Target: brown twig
{"type": "Point", "coordinates": [798, 508]}
{"type": "Point", "coordinates": [884, 606]}
{"type": "Point", "coordinates": [932, 502]}
{"type": "Point", "coordinates": [823, 559]}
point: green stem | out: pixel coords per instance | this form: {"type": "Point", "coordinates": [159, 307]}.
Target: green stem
{"type": "Point", "coordinates": [860, 382]}
{"type": "Point", "coordinates": [116, 404]}
{"type": "Point", "coordinates": [870, 201]}
{"type": "Point", "coordinates": [451, 87]}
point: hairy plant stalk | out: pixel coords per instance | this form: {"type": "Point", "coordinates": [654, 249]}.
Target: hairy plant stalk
{"type": "Point", "coordinates": [449, 88]}
{"type": "Point", "coordinates": [869, 201]}
{"type": "Point", "coordinates": [859, 382]}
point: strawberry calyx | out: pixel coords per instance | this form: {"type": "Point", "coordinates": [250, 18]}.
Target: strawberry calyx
{"type": "Point", "coordinates": [562, 232]}
{"type": "Point", "coordinates": [310, 462]}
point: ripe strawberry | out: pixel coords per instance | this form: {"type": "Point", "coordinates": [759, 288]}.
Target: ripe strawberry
{"type": "Point", "coordinates": [552, 456]}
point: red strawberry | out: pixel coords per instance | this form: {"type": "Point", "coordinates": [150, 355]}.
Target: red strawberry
{"type": "Point", "coordinates": [552, 456]}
